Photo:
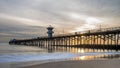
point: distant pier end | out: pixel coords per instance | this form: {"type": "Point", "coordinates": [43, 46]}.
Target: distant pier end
{"type": "Point", "coordinates": [50, 31]}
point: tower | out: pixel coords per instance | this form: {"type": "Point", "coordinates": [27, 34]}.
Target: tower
{"type": "Point", "coordinates": [50, 32]}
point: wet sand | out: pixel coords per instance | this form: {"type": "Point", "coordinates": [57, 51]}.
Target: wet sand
{"type": "Point", "coordinates": [79, 64]}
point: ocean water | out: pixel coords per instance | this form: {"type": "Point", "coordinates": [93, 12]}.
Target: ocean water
{"type": "Point", "coordinates": [20, 53]}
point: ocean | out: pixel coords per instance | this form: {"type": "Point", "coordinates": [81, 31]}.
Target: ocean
{"type": "Point", "coordinates": [21, 53]}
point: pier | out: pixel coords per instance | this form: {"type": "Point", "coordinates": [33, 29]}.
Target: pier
{"type": "Point", "coordinates": [107, 38]}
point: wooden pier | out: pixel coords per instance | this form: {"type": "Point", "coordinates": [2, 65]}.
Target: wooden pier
{"type": "Point", "coordinates": [108, 38]}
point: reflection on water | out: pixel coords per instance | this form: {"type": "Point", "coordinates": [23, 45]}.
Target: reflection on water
{"type": "Point", "coordinates": [80, 51]}
{"type": "Point", "coordinates": [89, 54]}
{"type": "Point", "coordinates": [17, 53]}
{"type": "Point", "coordinates": [105, 56]}
{"type": "Point", "coordinates": [111, 56]}
{"type": "Point", "coordinates": [83, 58]}
{"type": "Point", "coordinates": [77, 50]}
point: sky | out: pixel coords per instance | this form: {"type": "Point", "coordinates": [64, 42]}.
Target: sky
{"type": "Point", "coordinates": [29, 18]}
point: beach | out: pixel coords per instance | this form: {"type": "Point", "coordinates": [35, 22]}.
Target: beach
{"type": "Point", "coordinates": [113, 63]}
{"type": "Point", "coordinates": [79, 64]}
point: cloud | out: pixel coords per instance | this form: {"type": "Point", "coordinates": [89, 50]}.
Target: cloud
{"type": "Point", "coordinates": [24, 21]}
{"type": "Point", "coordinates": [68, 15]}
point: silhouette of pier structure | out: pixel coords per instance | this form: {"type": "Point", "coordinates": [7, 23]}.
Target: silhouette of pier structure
{"type": "Point", "coordinates": [107, 38]}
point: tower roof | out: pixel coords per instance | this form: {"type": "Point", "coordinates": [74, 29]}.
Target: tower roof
{"type": "Point", "coordinates": [49, 27]}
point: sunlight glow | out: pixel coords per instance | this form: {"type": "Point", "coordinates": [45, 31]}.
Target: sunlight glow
{"type": "Point", "coordinates": [90, 23]}
{"type": "Point", "coordinates": [92, 20]}
{"type": "Point", "coordinates": [77, 16]}
{"type": "Point", "coordinates": [82, 58]}
{"type": "Point", "coordinates": [81, 51]}
{"type": "Point", "coordinates": [85, 27]}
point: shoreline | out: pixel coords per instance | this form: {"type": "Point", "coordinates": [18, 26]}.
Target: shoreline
{"type": "Point", "coordinates": [111, 63]}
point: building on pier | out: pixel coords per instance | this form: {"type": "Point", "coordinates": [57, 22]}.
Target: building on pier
{"type": "Point", "coordinates": [50, 31]}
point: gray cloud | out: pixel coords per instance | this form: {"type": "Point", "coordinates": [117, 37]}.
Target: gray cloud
{"type": "Point", "coordinates": [17, 16]}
